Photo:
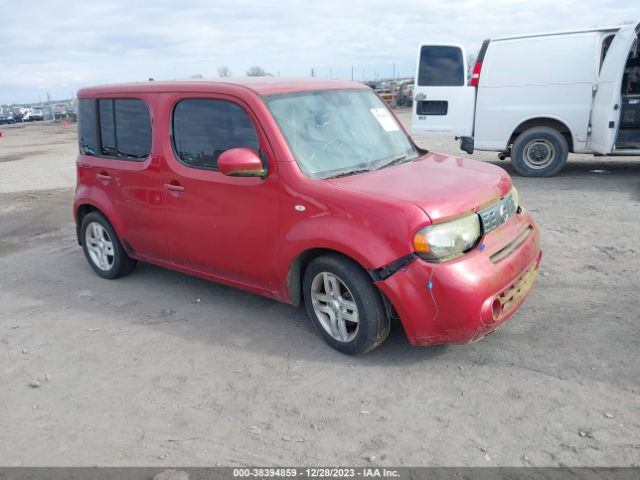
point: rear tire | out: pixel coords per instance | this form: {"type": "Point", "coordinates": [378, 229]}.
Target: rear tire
{"type": "Point", "coordinates": [350, 316]}
{"type": "Point", "coordinates": [539, 152]}
{"type": "Point", "coordinates": [103, 249]}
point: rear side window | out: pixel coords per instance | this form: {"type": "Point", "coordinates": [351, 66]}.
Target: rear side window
{"type": "Point", "coordinates": [125, 128]}
{"type": "Point", "coordinates": [107, 127]}
{"type": "Point", "coordinates": [441, 66]}
{"type": "Point", "coordinates": [204, 128]}
{"type": "Point", "coordinates": [87, 127]}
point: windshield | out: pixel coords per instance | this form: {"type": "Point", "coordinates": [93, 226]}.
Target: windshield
{"type": "Point", "coordinates": [339, 132]}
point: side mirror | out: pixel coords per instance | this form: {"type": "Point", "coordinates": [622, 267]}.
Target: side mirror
{"type": "Point", "coordinates": [241, 162]}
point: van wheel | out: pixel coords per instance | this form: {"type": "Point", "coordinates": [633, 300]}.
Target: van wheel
{"type": "Point", "coordinates": [102, 247]}
{"type": "Point", "coordinates": [344, 306]}
{"type": "Point", "coordinates": [539, 152]}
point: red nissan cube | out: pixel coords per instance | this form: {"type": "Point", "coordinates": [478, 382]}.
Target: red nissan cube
{"type": "Point", "coordinates": [305, 191]}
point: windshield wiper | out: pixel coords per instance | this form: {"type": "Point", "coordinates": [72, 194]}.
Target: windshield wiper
{"type": "Point", "coordinates": [349, 172]}
{"type": "Point", "coordinates": [394, 161]}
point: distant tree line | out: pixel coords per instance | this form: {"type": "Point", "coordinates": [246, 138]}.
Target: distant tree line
{"type": "Point", "coordinates": [254, 71]}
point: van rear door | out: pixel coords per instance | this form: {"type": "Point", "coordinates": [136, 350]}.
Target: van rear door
{"type": "Point", "coordinates": [605, 114]}
{"type": "Point", "coordinates": [444, 103]}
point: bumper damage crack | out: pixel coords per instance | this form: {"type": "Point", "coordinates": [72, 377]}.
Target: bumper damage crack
{"type": "Point", "coordinates": [385, 272]}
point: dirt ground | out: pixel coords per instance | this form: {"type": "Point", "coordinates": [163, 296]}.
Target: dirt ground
{"type": "Point", "coordinates": [160, 368]}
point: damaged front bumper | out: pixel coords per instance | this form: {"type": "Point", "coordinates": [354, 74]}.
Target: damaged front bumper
{"type": "Point", "coordinates": [462, 300]}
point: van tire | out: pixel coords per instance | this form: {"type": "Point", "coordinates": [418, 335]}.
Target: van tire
{"type": "Point", "coordinates": [356, 286]}
{"type": "Point", "coordinates": [539, 152]}
{"type": "Point", "coordinates": [118, 263]}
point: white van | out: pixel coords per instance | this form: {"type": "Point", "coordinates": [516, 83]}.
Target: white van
{"type": "Point", "coordinates": [535, 98]}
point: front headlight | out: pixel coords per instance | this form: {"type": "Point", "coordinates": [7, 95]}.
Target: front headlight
{"type": "Point", "coordinates": [448, 240]}
{"type": "Point", "coordinates": [515, 196]}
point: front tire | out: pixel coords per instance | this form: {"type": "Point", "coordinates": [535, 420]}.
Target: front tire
{"type": "Point", "coordinates": [344, 305]}
{"type": "Point", "coordinates": [539, 152]}
{"type": "Point", "coordinates": [103, 249]}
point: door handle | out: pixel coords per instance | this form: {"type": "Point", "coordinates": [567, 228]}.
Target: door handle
{"type": "Point", "coordinates": [174, 187]}
{"type": "Point", "coordinates": [104, 177]}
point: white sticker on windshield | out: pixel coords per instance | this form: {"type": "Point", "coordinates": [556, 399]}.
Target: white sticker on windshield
{"type": "Point", "coordinates": [385, 119]}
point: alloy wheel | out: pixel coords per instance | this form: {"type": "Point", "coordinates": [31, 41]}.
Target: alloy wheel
{"type": "Point", "coordinates": [335, 307]}
{"type": "Point", "coordinates": [99, 246]}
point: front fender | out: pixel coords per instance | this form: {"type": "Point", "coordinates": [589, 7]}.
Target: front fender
{"type": "Point", "coordinates": [371, 244]}
{"type": "Point", "coordinates": [341, 235]}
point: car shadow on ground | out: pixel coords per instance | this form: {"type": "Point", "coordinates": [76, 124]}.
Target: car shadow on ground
{"type": "Point", "coordinates": [268, 325]}
{"type": "Point", "coordinates": [587, 177]}
{"type": "Point", "coordinates": [581, 168]}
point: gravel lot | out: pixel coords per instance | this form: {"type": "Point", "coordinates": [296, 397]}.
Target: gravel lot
{"type": "Point", "coordinates": [160, 368]}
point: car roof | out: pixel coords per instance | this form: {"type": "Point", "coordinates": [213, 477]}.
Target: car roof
{"type": "Point", "coordinates": [257, 85]}
{"type": "Point", "coordinates": [564, 32]}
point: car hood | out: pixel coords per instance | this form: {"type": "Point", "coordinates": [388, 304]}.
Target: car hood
{"type": "Point", "coordinates": [441, 185]}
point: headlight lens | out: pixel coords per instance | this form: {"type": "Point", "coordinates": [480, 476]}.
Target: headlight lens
{"type": "Point", "coordinates": [515, 196]}
{"type": "Point", "coordinates": [447, 240]}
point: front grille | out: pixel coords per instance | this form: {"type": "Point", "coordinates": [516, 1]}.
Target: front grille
{"type": "Point", "coordinates": [509, 249]}
{"type": "Point", "coordinates": [497, 214]}
{"type": "Point", "coordinates": [510, 297]}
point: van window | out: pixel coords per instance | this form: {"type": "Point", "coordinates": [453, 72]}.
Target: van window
{"type": "Point", "coordinates": [87, 134]}
{"type": "Point", "coordinates": [204, 128]}
{"type": "Point", "coordinates": [125, 128]}
{"type": "Point", "coordinates": [631, 75]}
{"type": "Point", "coordinates": [441, 66]}
{"type": "Point", "coordinates": [606, 43]}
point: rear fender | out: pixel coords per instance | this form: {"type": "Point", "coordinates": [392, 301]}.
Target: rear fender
{"type": "Point", "coordinates": [97, 199]}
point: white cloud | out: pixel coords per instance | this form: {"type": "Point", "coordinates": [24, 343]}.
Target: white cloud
{"type": "Point", "coordinates": [78, 42]}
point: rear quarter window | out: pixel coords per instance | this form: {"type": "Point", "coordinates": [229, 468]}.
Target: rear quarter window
{"type": "Point", "coordinates": [87, 127]}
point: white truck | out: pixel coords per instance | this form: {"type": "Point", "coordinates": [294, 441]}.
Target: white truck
{"type": "Point", "coordinates": [535, 98]}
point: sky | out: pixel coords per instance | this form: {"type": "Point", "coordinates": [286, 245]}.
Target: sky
{"type": "Point", "coordinates": [55, 47]}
